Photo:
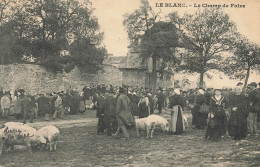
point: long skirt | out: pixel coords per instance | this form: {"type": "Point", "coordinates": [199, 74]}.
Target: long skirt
{"type": "Point", "coordinates": [177, 122]}
{"type": "Point", "coordinates": [143, 110]}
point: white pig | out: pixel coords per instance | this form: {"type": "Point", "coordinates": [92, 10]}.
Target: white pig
{"type": "Point", "coordinates": [51, 134]}
{"type": "Point", "coordinates": [154, 121]}
{"type": "Point", "coordinates": [19, 135]}
{"type": "Point", "coordinates": [140, 125]}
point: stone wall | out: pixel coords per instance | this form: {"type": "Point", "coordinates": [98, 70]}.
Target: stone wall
{"type": "Point", "coordinates": [35, 79]}
{"type": "Point", "coordinates": [134, 78]}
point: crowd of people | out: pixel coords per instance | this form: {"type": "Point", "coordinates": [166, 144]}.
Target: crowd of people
{"type": "Point", "coordinates": [22, 105]}
{"type": "Point", "coordinates": [218, 111]}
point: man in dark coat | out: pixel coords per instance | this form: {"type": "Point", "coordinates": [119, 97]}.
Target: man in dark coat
{"type": "Point", "coordinates": [199, 119]}
{"type": "Point", "coordinates": [123, 114]}
{"type": "Point", "coordinates": [27, 105]}
{"type": "Point", "coordinates": [160, 97]}
{"type": "Point", "coordinates": [110, 113]}
{"type": "Point", "coordinates": [253, 100]}
{"type": "Point", "coordinates": [239, 113]}
{"type": "Point", "coordinates": [100, 113]}
{"type": "Point", "coordinates": [43, 105]}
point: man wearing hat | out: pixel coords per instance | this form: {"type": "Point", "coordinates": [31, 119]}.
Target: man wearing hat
{"type": "Point", "coordinates": [253, 100]}
{"type": "Point", "coordinates": [160, 101]}
{"type": "Point", "coordinates": [110, 113]}
{"type": "Point", "coordinates": [124, 114]}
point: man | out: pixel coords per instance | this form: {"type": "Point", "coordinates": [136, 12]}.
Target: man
{"type": "Point", "coordinates": [27, 104]}
{"type": "Point", "coordinates": [100, 99]}
{"type": "Point", "coordinates": [44, 106]}
{"type": "Point", "coordinates": [110, 113]}
{"type": "Point", "coordinates": [151, 102]}
{"type": "Point", "coordinates": [123, 114]}
{"type": "Point", "coordinates": [160, 97]}
{"type": "Point", "coordinates": [253, 100]}
{"type": "Point", "coordinates": [5, 104]}
{"type": "Point", "coordinates": [58, 107]}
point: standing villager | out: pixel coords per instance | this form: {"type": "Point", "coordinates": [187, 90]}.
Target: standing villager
{"type": "Point", "coordinates": [177, 104]}
{"type": "Point", "coordinates": [218, 116]}
{"type": "Point", "coordinates": [160, 101]}
{"type": "Point", "coordinates": [5, 104]}
{"type": "Point", "coordinates": [59, 109]}
{"type": "Point", "coordinates": [44, 106]}
{"type": "Point", "coordinates": [17, 107]}
{"type": "Point", "coordinates": [73, 102]}
{"type": "Point", "coordinates": [123, 114]}
{"type": "Point", "coordinates": [110, 113]}
{"type": "Point", "coordinates": [151, 103]}
{"type": "Point", "coordinates": [52, 98]}
{"type": "Point", "coordinates": [144, 107]}
{"type": "Point", "coordinates": [100, 113]}
{"type": "Point", "coordinates": [27, 105]}
{"type": "Point", "coordinates": [199, 119]}
{"type": "Point", "coordinates": [134, 101]}
{"type": "Point", "coordinates": [239, 113]}
{"type": "Point", "coordinates": [254, 102]}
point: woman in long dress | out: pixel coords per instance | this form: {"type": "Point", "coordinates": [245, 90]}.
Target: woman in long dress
{"type": "Point", "coordinates": [239, 113]}
{"type": "Point", "coordinates": [218, 115]}
{"type": "Point", "coordinates": [177, 103]}
{"type": "Point", "coordinates": [144, 106]}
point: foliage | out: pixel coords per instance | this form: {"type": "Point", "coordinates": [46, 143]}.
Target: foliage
{"type": "Point", "coordinates": [211, 30]}
{"type": "Point", "coordinates": [141, 20]}
{"type": "Point", "coordinates": [39, 29]}
{"type": "Point", "coordinates": [246, 57]}
{"type": "Point", "coordinates": [159, 41]}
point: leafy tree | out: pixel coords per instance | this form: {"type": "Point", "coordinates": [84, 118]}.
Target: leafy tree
{"type": "Point", "coordinates": [245, 58]}
{"type": "Point", "coordinates": [39, 27]}
{"type": "Point", "coordinates": [140, 20]}
{"type": "Point", "coordinates": [211, 30]}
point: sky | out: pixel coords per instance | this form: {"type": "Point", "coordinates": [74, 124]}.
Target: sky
{"type": "Point", "coordinates": [110, 16]}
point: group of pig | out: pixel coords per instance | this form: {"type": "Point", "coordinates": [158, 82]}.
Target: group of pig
{"type": "Point", "coordinates": [16, 133]}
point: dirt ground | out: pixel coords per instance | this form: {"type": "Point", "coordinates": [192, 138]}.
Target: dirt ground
{"type": "Point", "coordinates": [79, 145]}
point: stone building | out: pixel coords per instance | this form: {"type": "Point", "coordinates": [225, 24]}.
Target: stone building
{"type": "Point", "coordinates": [138, 72]}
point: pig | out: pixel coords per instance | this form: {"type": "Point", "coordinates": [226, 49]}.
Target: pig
{"type": "Point", "coordinates": [150, 123]}
{"type": "Point", "coordinates": [153, 121]}
{"type": "Point", "coordinates": [51, 134]}
{"type": "Point", "coordinates": [19, 135]}
{"type": "Point", "coordinates": [140, 125]}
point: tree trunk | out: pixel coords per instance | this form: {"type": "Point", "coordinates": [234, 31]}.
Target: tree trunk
{"type": "Point", "coordinates": [2, 59]}
{"type": "Point", "coordinates": [43, 40]}
{"type": "Point", "coordinates": [201, 84]}
{"type": "Point", "coordinates": [154, 75]}
{"type": "Point", "coordinates": [247, 76]}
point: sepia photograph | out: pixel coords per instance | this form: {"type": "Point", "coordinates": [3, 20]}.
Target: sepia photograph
{"type": "Point", "coordinates": [131, 83]}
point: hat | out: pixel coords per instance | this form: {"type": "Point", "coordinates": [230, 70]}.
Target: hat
{"type": "Point", "coordinates": [121, 90]}
{"type": "Point", "coordinates": [239, 83]}
{"type": "Point", "coordinates": [253, 84]}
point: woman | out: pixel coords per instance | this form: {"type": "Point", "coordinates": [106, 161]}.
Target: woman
{"type": "Point", "coordinates": [177, 103]}
{"type": "Point", "coordinates": [217, 114]}
{"type": "Point", "coordinates": [239, 113]}
{"type": "Point", "coordinates": [144, 106]}
{"type": "Point", "coordinates": [199, 119]}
